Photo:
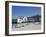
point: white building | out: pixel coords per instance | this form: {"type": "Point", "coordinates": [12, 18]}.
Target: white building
{"type": "Point", "coordinates": [22, 19]}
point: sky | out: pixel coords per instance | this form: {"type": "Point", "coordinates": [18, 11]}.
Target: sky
{"type": "Point", "coordinates": [25, 11]}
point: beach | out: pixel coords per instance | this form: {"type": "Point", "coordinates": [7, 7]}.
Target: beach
{"type": "Point", "coordinates": [26, 26]}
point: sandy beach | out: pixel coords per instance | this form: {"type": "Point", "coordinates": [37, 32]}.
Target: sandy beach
{"type": "Point", "coordinates": [26, 26]}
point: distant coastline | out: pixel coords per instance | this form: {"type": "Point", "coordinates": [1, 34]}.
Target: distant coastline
{"type": "Point", "coordinates": [36, 18]}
